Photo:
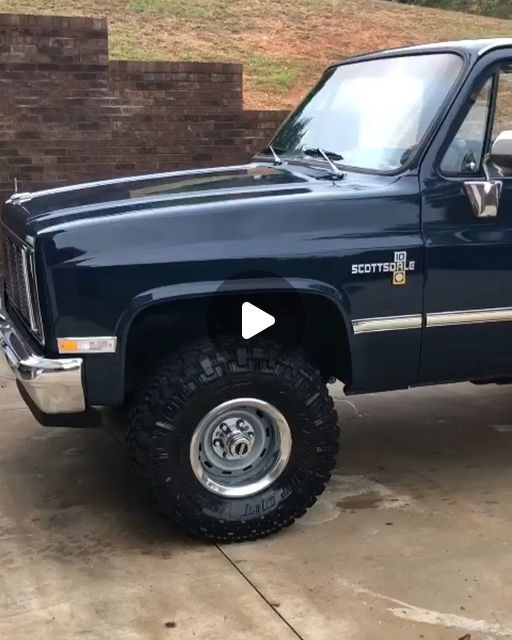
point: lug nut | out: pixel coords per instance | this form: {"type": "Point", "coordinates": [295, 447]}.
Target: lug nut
{"type": "Point", "coordinates": [224, 428]}
{"type": "Point", "coordinates": [218, 443]}
{"type": "Point", "coordinates": [240, 424]}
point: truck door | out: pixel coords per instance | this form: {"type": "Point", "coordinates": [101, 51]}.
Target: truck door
{"type": "Point", "coordinates": [468, 287]}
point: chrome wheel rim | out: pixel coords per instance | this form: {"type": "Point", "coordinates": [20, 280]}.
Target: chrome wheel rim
{"type": "Point", "coordinates": [240, 447]}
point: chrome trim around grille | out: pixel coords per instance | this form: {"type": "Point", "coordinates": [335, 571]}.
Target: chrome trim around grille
{"type": "Point", "coordinates": [389, 323]}
{"type": "Point", "coordinates": [469, 316]}
{"type": "Point", "coordinates": [21, 283]}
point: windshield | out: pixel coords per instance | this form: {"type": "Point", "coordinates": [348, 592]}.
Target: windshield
{"type": "Point", "coordinates": [373, 114]}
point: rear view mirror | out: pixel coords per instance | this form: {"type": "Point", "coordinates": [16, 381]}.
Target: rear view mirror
{"type": "Point", "coordinates": [501, 153]}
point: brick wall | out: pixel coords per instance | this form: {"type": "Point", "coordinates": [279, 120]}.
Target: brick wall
{"type": "Point", "coordinates": [68, 113]}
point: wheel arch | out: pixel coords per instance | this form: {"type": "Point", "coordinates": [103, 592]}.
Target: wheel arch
{"type": "Point", "coordinates": [180, 311]}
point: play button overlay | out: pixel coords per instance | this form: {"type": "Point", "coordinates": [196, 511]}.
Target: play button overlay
{"type": "Point", "coordinates": [255, 307]}
{"type": "Point", "coordinates": [254, 320]}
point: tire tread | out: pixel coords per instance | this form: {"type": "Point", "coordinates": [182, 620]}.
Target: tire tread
{"type": "Point", "coordinates": [183, 375]}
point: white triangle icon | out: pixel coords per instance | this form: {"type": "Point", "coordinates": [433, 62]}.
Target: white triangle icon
{"type": "Point", "coordinates": [254, 320]}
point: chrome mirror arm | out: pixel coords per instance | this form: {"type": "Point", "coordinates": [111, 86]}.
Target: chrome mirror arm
{"type": "Point", "coordinates": [485, 163]}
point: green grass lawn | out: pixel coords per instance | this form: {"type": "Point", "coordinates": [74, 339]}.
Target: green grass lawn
{"type": "Point", "coordinates": [284, 44]}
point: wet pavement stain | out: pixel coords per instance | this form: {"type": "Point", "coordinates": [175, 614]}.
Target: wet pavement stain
{"type": "Point", "coordinates": [363, 501]}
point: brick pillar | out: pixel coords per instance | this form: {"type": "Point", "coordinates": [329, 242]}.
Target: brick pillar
{"type": "Point", "coordinates": [54, 88]}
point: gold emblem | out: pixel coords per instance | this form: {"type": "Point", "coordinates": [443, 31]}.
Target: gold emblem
{"type": "Point", "coordinates": [399, 277]}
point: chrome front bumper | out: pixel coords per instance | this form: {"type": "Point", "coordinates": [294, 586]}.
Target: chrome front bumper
{"type": "Point", "coordinates": [53, 385]}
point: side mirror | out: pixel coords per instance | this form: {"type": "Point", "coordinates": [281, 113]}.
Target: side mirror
{"type": "Point", "coordinates": [485, 195]}
{"type": "Point", "coordinates": [501, 153]}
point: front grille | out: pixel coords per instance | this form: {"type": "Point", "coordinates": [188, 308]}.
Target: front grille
{"type": "Point", "coordinates": [20, 284]}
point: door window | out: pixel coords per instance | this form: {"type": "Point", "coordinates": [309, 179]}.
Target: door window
{"type": "Point", "coordinates": [464, 155]}
{"type": "Point", "coordinates": [503, 115]}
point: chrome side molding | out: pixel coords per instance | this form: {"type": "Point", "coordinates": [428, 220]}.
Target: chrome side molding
{"type": "Point", "coordinates": [437, 319]}
{"type": "Point", "coordinates": [470, 316]}
{"type": "Point", "coordinates": [389, 323]}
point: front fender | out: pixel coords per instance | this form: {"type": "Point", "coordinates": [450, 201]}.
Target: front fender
{"type": "Point", "coordinates": [207, 288]}
{"type": "Point", "coordinates": [105, 374]}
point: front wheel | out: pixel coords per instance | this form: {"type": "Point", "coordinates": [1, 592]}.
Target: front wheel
{"type": "Point", "coordinates": [233, 443]}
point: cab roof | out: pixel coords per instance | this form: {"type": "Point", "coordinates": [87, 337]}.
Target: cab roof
{"type": "Point", "coordinates": [478, 46]}
{"type": "Point", "coordinates": [474, 48]}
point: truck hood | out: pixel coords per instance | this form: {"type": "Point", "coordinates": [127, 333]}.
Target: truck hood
{"type": "Point", "coordinates": [78, 202]}
{"type": "Point", "coordinates": [28, 213]}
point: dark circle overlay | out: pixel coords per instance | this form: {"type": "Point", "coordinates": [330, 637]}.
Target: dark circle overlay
{"type": "Point", "coordinates": [268, 291]}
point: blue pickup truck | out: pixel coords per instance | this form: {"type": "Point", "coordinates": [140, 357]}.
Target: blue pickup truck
{"type": "Point", "coordinates": [375, 232]}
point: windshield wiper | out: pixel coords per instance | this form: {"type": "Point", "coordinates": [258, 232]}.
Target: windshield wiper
{"type": "Point", "coordinates": [277, 159]}
{"type": "Point", "coordinates": [329, 156]}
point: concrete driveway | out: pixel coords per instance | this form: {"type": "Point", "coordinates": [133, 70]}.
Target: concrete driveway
{"type": "Point", "coordinates": [411, 540]}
